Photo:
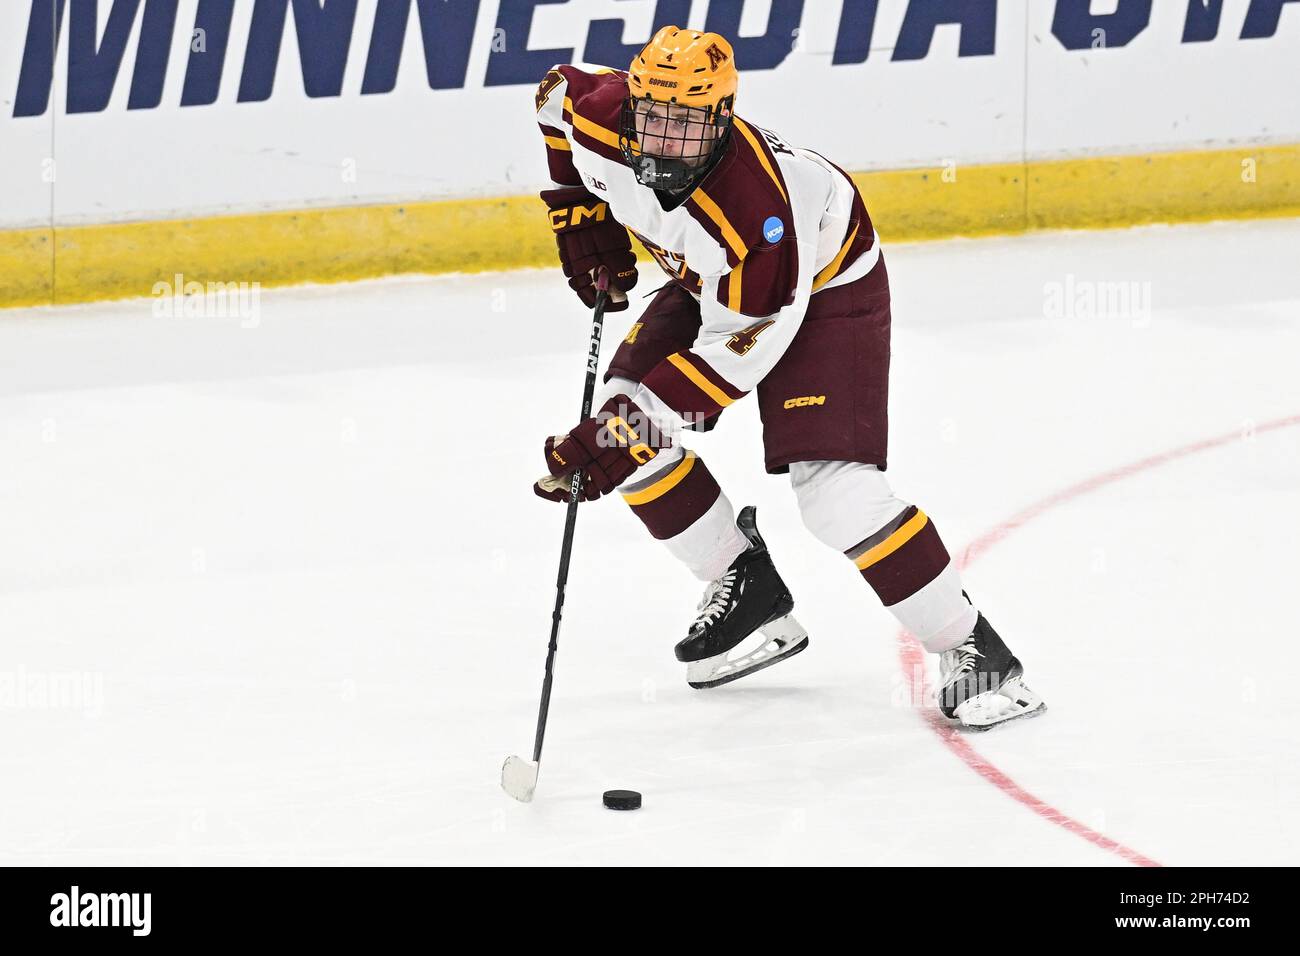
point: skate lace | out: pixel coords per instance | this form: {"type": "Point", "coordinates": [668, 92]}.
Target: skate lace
{"type": "Point", "coordinates": [716, 598]}
{"type": "Point", "coordinates": [961, 661]}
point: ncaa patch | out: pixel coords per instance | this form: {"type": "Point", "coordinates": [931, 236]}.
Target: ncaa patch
{"type": "Point", "coordinates": [773, 229]}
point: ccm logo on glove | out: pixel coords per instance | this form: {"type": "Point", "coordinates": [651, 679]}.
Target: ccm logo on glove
{"type": "Point", "coordinates": [606, 449]}
{"type": "Point", "coordinates": [589, 239]}
{"type": "Point", "coordinates": [572, 217]}
{"type": "Point", "coordinates": [622, 435]}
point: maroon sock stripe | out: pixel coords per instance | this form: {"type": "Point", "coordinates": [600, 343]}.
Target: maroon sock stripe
{"type": "Point", "coordinates": [677, 499]}
{"type": "Point", "coordinates": [906, 560]}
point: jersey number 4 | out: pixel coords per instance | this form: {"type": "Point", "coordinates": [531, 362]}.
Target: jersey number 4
{"type": "Point", "coordinates": [745, 339]}
{"type": "Point", "coordinates": [549, 83]}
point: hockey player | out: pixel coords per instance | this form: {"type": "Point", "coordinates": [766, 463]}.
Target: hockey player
{"type": "Point", "coordinates": [776, 285]}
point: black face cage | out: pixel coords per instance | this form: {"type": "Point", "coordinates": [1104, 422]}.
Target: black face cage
{"type": "Point", "coordinates": [698, 152]}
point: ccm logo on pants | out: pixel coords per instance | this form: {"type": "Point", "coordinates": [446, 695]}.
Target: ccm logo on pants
{"type": "Point", "coordinates": [805, 400]}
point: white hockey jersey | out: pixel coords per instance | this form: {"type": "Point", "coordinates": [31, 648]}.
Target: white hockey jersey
{"type": "Point", "coordinates": [769, 227]}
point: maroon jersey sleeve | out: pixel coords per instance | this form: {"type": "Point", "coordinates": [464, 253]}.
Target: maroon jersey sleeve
{"type": "Point", "coordinates": [559, 154]}
{"type": "Point", "coordinates": [574, 106]}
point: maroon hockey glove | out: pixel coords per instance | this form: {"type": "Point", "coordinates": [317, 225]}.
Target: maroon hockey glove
{"type": "Point", "coordinates": [606, 449]}
{"type": "Point", "coordinates": [588, 238]}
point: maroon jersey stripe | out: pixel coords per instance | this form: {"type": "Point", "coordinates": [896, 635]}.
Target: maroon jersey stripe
{"type": "Point", "coordinates": [682, 383]}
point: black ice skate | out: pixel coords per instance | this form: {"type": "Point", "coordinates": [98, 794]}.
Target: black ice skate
{"type": "Point", "coordinates": [749, 599]}
{"type": "Point", "coordinates": [981, 682]}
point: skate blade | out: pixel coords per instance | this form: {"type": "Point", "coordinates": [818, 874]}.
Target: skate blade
{"type": "Point", "coordinates": [1012, 701]}
{"type": "Point", "coordinates": [780, 639]}
{"type": "Point", "coordinates": [519, 778]}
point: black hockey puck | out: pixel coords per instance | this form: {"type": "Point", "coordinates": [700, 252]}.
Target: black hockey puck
{"type": "Point", "coordinates": [622, 799]}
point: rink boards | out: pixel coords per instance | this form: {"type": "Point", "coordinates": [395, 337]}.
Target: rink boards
{"type": "Point", "coordinates": [269, 143]}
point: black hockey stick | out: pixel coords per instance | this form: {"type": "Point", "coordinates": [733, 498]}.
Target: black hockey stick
{"type": "Point", "coordinates": [519, 776]}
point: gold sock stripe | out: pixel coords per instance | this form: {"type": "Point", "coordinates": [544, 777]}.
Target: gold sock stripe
{"type": "Point", "coordinates": [664, 485]}
{"type": "Point", "coordinates": [893, 542]}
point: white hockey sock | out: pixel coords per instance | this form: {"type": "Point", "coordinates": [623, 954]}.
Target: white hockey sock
{"type": "Point", "coordinates": [681, 504]}
{"type": "Point", "coordinates": [851, 508]}
{"type": "Point", "coordinates": [709, 545]}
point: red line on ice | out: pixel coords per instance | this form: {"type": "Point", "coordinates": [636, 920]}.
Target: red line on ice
{"type": "Point", "coordinates": [912, 656]}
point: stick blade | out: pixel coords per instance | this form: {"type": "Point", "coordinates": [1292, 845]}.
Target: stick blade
{"type": "Point", "coordinates": [519, 778]}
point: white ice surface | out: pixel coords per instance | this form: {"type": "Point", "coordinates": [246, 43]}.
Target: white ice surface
{"type": "Point", "coordinates": [304, 574]}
